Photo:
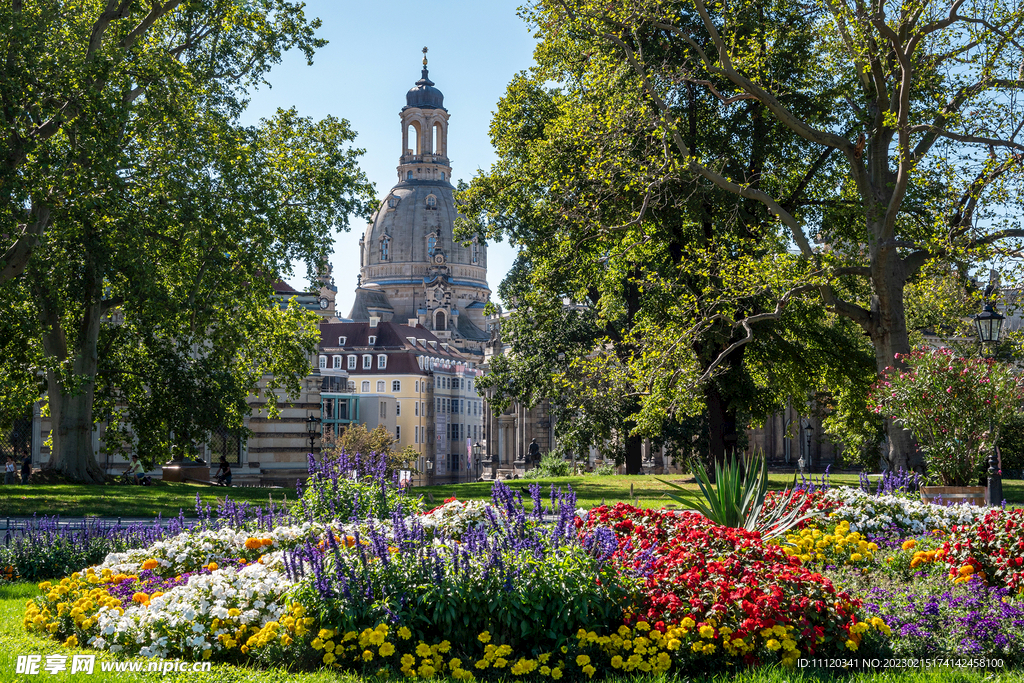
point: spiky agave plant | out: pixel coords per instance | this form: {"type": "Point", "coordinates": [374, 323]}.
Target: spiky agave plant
{"type": "Point", "coordinates": [737, 498]}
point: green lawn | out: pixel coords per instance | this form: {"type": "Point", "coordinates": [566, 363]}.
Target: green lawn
{"type": "Point", "coordinates": [167, 498]}
{"type": "Point", "coordinates": [114, 500]}
{"type": "Point", "coordinates": [15, 641]}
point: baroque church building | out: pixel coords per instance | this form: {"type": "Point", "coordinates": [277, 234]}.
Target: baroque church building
{"type": "Point", "coordinates": [412, 270]}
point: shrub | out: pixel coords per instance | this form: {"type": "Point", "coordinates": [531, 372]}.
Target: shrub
{"type": "Point", "coordinates": [551, 465]}
{"type": "Point", "coordinates": [346, 487]}
{"type": "Point", "coordinates": [951, 404]}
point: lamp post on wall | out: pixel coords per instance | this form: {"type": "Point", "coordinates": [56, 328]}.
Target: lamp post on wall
{"type": "Point", "coordinates": [312, 428]}
{"type": "Point", "coordinates": [989, 325]}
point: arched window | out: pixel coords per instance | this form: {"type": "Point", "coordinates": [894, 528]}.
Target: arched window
{"type": "Point", "coordinates": [413, 138]}
{"type": "Point", "coordinates": [476, 253]}
{"type": "Point", "coordinates": [431, 243]}
{"type": "Point", "coordinates": [439, 321]}
{"type": "Point", "coordinates": [438, 139]}
{"type": "Point", "coordinates": [431, 202]}
{"type": "Point", "coordinates": [385, 248]}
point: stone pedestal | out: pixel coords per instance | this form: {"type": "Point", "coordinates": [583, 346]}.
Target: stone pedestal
{"type": "Point", "coordinates": [186, 470]}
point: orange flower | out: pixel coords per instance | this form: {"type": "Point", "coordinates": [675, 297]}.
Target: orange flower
{"type": "Point", "coordinates": [212, 566]}
{"type": "Point", "coordinates": [253, 543]}
{"type": "Point", "coordinates": [151, 563]}
{"type": "Point", "coordinates": [156, 595]}
{"type": "Point", "coordinates": [267, 541]}
{"type": "Point", "coordinates": [141, 598]}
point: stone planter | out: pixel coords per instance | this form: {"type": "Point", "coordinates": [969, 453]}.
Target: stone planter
{"type": "Point", "coordinates": [953, 495]}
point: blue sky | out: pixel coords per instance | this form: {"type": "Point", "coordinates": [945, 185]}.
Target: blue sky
{"type": "Point", "coordinates": [372, 59]}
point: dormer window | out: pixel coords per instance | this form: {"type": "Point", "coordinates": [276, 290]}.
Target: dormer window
{"type": "Point", "coordinates": [392, 202]}
{"type": "Point", "coordinates": [372, 341]}
{"type": "Point", "coordinates": [367, 362]}
{"type": "Point", "coordinates": [337, 362]}
{"type": "Point", "coordinates": [323, 362]}
{"type": "Point", "coordinates": [342, 340]}
{"type": "Point", "coordinates": [382, 361]}
{"type": "Point", "coordinates": [432, 202]}
{"type": "Point", "coordinates": [351, 362]}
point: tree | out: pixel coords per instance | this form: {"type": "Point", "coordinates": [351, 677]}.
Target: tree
{"type": "Point", "coordinates": [677, 278]}
{"type": "Point", "coordinates": [356, 439]}
{"type": "Point", "coordinates": [165, 220]}
{"type": "Point", "coordinates": [918, 161]}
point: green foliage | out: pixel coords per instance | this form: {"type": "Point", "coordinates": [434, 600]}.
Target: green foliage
{"type": "Point", "coordinates": [551, 465]}
{"type": "Point", "coordinates": [151, 224]}
{"type": "Point", "coordinates": [356, 438]}
{"type": "Point", "coordinates": [645, 299]}
{"type": "Point", "coordinates": [1011, 446]}
{"type": "Point", "coordinates": [954, 406]}
{"type": "Point", "coordinates": [736, 499]}
{"type": "Point", "coordinates": [351, 487]}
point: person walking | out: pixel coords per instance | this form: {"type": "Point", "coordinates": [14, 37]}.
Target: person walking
{"type": "Point", "coordinates": [534, 451]}
{"type": "Point", "coordinates": [26, 469]}
{"type": "Point", "coordinates": [9, 471]}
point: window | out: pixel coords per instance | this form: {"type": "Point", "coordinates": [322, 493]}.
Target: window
{"type": "Point", "coordinates": [342, 340]}
{"type": "Point", "coordinates": [351, 386]}
{"type": "Point", "coordinates": [392, 201]}
{"type": "Point", "coordinates": [372, 341]}
{"type": "Point", "coordinates": [383, 409]}
{"type": "Point", "coordinates": [438, 404]}
{"type": "Point", "coordinates": [398, 432]}
{"type": "Point", "coordinates": [382, 362]}
{"type": "Point", "coordinates": [385, 248]}
{"type": "Point", "coordinates": [417, 386]}
{"type": "Point", "coordinates": [409, 176]}
{"type": "Point", "coordinates": [423, 408]}
{"type": "Point", "coordinates": [398, 408]}
{"type": "Point", "coordinates": [442, 175]}
{"type": "Point", "coordinates": [367, 362]}
{"type": "Point", "coordinates": [431, 202]}
{"type": "Point", "coordinates": [380, 387]}
{"type": "Point", "coordinates": [416, 408]}
{"type": "Point", "coordinates": [323, 362]}
{"type": "Point", "coordinates": [337, 362]}
{"type": "Point", "coordinates": [416, 434]}
{"type": "Point", "coordinates": [396, 386]}
{"type": "Point", "coordinates": [351, 362]}
{"type": "Point", "coordinates": [225, 442]}
{"type": "Point", "coordinates": [366, 387]}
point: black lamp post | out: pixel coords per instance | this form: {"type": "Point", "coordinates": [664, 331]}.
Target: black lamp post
{"type": "Point", "coordinates": [810, 464]}
{"type": "Point", "coordinates": [989, 324]}
{"type": "Point", "coordinates": [477, 452]}
{"type": "Point", "coordinates": [312, 424]}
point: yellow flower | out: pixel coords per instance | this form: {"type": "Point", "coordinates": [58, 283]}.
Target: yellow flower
{"type": "Point", "coordinates": [582, 660]}
{"type": "Point", "coordinates": [773, 644]}
{"type": "Point", "coordinates": [674, 644]}
{"type": "Point", "coordinates": [500, 662]}
{"type": "Point", "coordinates": [707, 632]}
{"type": "Point", "coordinates": [556, 674]}
{"type": "Point", "coordinates": [404, 633]}
{"type": "Point", "coordinates": [367, 655]}
{"type": "Point", "coordinates": [444, 647]}
{"type": "Point", "coordinates": [856, 557]}
{"type": "Point", "coordinates": [616, 662]}
{"type": "Point", "coordinates": [909, 544]}
{"type": "Point", "coordinates": [317, 644]}
{"type": "Point", "coordinates": [329, 658]}
{"type": "Point", "coordinates": [484, 637]}
{"type": "Point", "coordinates": [851, 645]}
{"type": "Point", "coordinates": [709, 649]}
{"type": "Point", "coordinates": [72, 641]}
{"type": "Point", "coordinates": [386, 650]}
{"type": "Point", "coordinates": [643, 626]}
{"type": "Point", "coordinates": [589, 670]}
{"type": "Point", "coordinates": [423, 650]}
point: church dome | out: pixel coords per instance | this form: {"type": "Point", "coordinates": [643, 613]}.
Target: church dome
{"type": "Point", "coordinates": [424, 95]}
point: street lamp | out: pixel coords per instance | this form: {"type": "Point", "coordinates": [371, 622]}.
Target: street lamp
{"type": "Point", "coordinates": [807, 430]}
{"type": "Point", "coordinates": [989, 325]}
{"type": "Point", "coordinates": [477, 452]}
{"type": "Point", "coordinates": [312, 423]}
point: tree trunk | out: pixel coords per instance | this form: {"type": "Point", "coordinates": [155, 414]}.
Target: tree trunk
{"type": "Point", "coordinates": [889, 337]}
{"type": "Point", "coordinates": [634, 454]}
{"type": "Point", "coordinates": [71, 452]}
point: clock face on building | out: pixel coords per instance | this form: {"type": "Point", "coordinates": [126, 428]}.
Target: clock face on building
{"type": "Point", "coordinates": [324, 303]}
{"type": "Point", "coordinates": [439, 259]}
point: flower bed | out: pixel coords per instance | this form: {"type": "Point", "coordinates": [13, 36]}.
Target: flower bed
{"type": "Point", "coordinates": [992, 548]}
{"type": "Point", "coordinates": [911, 516]}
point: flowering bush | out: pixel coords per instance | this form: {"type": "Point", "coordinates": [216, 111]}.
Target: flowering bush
{"type": "Point", "coordinates": [734, 595]}
{"type": "Point", "coordinates": [349, 487]}
{"type": "Point", "coordinates": [992, 548]}
{"type": "Point", "coordinates": [910, 515]}
{"type": "Point", "coordinates": [454, 518]}
{"type": "Point", "coordinates": [951, 404]}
